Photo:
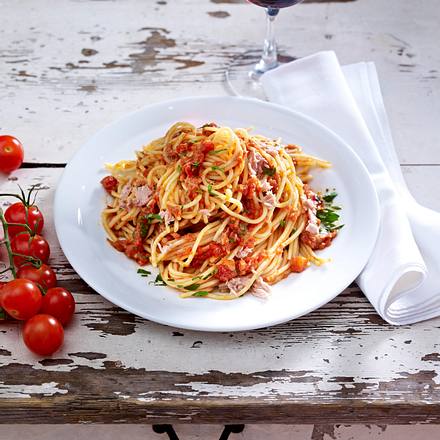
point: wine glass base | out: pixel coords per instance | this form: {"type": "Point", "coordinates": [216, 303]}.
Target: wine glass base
{"type": "Point", "coordinates": [244, 74]}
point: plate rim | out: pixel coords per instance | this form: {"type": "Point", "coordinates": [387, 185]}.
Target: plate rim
{"type": "Point", "coordinates": [76, 264]}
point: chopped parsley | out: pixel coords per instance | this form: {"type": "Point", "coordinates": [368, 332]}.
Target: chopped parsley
{"type": "Point", "coordinates": [179, 168]}
{"type": "Point", "coordinates": [192, 287]}
{"type": "Point", "coordinates": [143, 272]}
{"type": "Point", "coordinates": [328, 215]}
{"type": "Point", "coordinates": [144, 230]}
{"type": "Point", "coordinates": [338, 227]}
{"type": "Point", "coordinates": [200, 293]}
{"type": "Point", "coordinates": [151, 217]}
{"type": "Point", "coordinates": [206, 276]}
{"type": "Point", "coordinates": [196, 164]}
{"type": "Point", "coordinates": [209, 275]}
{"type": "Point", "coordinates": [210, 190]}
{"type": "Point", "coordinates": [283, 223]}
{"type": "Point", "coordinates": [269, 171]}
{"type": "Point", "coordinates": [215, 168]}
{"type": "Point", "coordinates": [328, 198]}
{"type": "Point", "coordinates": [158, 281]}
{"type": "Point", "coordinates": [147, 221]}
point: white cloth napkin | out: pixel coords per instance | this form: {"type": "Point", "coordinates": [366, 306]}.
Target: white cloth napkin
{"type": "Point", "coordinates": [401, 281]}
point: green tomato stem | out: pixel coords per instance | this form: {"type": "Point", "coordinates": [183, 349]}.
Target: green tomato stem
{"type": "Point", "coordinates": [23, 225]}
{"type": "Point", "coordinates": [22, 200]}
{"type": "Point", "coordinates": [7, 243]}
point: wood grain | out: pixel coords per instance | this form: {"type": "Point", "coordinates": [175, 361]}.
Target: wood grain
{"type": "Point", "coordinates": [100, 67]}
{"type": "Point", "coordinates": [342, 364]}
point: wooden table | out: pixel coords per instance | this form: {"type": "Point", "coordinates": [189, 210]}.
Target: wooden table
{"type": "Point", "coordinates": [68, 68]}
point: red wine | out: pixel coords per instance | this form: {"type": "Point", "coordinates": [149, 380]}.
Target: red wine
{"type": "Point", "coordinates": [275, 3]}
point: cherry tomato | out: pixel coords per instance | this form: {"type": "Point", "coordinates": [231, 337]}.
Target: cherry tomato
{"type": "Point", "coordinates": [59, 303]}
{"type": "Point", "coordinates": [11, 154]}
{"type": "Point", "coordinates": [43, 276]}
{"type": "Point", "coordinates": [109, 183]}
{"type": "Point", "coordinates": [16, 213]}
{"type": "Point", "coordinates": [43, 334]}
{"type": "Point", "coordinates": [35, 246]}
{"type": "Point", "coordinates": [22, 299]}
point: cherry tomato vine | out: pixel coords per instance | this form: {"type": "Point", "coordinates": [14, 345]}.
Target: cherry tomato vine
{"type": "Point", "coordinates": [23, 296]}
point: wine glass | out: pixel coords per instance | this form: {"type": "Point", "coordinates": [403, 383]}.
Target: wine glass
{"type": "Point", "coordinates": [243, 75]}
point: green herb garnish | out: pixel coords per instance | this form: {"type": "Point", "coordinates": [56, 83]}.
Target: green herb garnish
{"type": "Point", "coordinates": [209, 275]}
{"type": "Point", "coordinates": [151, 217]}
{"type": "Point", "coordinates": [200, 293]}
{"type": "Point", "coordinates": [191, 287]}
{"type": "Point", "coordinates": [269, 171]}
{"type": "Point", "coordinates": [144, 230]}
{"type": "Point", "coordinates": [218, 151]}
{"type": "Point", "coordinates": [210, 190]}
{"type": "Point", "coordinates": [215, 168]}
{"type": "Point", "coordinates": [179, 168]}
{"type": "Point", "coordinates": [283, 223]}
{"type": "Point", "coordinates": [196, 164]}
{"type": "Point", "coordinates": [158, 281]}
{"type": "Point", "coordinates": [328, 215]}
{"type": "Point", "coordinates": [143, 272]}
{"type": "Point", "coordinates": [338, 227]}
{"type": "Point", "coordinates": [328, 198]}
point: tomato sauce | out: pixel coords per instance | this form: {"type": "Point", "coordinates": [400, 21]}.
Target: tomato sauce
{"type": "Point", "coordinates": [206, 252]}
{"type": "Point", "coordinates": [133, 250]}
{"type": "Point", "coordinates": [226, 271]}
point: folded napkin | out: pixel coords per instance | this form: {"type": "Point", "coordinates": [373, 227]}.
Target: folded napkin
{"type": "Point", "coordinates": [402, 276]}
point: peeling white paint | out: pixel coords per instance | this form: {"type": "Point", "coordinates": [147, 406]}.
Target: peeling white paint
{"type": "Point", "coordinates": [26, 391]}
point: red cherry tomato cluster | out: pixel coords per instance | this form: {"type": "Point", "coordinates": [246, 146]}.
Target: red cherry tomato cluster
{"type": "Point", "coordinates": [32, 296]}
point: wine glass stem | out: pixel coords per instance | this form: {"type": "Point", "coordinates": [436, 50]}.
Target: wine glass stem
{"type": "Point", "coordinates": [269, 59]}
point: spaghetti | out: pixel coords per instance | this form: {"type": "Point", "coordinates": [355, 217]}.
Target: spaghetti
{"type": "Point", "coordinates": [220, 212]}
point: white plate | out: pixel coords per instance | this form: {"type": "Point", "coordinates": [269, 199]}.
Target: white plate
{"type": "Point", "coordinates": [80, 198]}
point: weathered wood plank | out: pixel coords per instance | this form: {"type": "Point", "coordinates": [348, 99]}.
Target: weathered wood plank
{"type": "Point", "coordinates": [341, 362]}
{"type": "Point", "coordinates": [100, 67]}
